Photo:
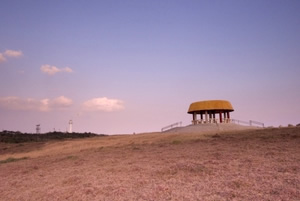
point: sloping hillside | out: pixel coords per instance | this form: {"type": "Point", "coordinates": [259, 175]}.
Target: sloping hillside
{"type": "Point", "coordinates": [259, 164]}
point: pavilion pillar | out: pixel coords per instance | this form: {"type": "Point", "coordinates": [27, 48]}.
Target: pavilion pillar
{"type": "Point", "coordinates": [201, 116]}
{"type": "Point", "coordinates": [220, 113]}
{"type": "Point", "coordinates": [206, 117]}
{"type": "Point", "coordinates": [228, 116]}
{"type": "Point", "coordinates": [194, 118]}
{"type": "Point", "coordinates": [210, 117]}
{"type": "Point", "coordinates": [214, 117]}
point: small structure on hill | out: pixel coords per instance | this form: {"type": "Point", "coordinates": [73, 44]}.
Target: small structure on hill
{"type": "Point", "coordinates": [38, 129]}
{"type": "Point", "coordinates": [70, 126]}
{"type": "Point", "coordinates": [208, 110]}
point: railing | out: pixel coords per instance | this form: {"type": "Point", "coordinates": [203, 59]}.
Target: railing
{"type": "Point", "coordinates": [257, 123]}
{"type": "Point", "coordinates": [250, 123]}
{"type": "Point", "coordinates": [236, 121]}
{"type": "Point", "coordinates": [177, 124]}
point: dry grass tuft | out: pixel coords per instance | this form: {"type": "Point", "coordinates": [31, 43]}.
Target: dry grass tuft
{"type": "Point", "coordinates": [11, 159]}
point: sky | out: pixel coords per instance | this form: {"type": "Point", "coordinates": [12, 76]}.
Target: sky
{"type": "Point", "coordinates": [131, 66]}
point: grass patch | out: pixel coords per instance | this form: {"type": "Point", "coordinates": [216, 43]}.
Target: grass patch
{"type": "Point", "coordinates": [72, 157]}
{"type": "Point", "coordinates": [136, 148]}
{"type": "Point", "coordinates": [11, 159]}
{"type": "Point", "coordinates": [176, 142]}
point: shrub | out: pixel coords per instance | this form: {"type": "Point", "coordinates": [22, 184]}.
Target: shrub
{"type": "Point", "coordinates": [18, 137]}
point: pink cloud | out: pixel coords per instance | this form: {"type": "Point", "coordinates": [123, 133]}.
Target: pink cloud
{"type": "Point", "coordinates": [13, 53]}
{"type": "Point", "coordinates": [2, 58]}
{"type": "Point", "coordinates": [61, 102]}
{"type": "Point", "coordinates": [30, 104]}
{"type": "Point", "coordinates": [103, 104]}
{"type": "Point", "coordinates": [10, 53]}
{"type": "Point", "coordinates": [51, 70]}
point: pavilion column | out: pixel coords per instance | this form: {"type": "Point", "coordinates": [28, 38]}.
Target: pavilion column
{"type": "Point", "coordinates": [201, 116]}
{"type": "Point", "coordinates": [194, 117]}
{"type": "Point", "coordinates": [214, 117]}
{"type": "Point", "coordinates": [220, 113]}
{"type": "Point", "coordinates": [206, 117]}
{"type": "Point", "coordinates": [228, 116]}
{"type": "Point", "coordinates": [210, 119]}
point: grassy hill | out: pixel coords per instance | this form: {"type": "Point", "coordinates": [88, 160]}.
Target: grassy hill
{"type": "Point", "coordinates": [259, 164]}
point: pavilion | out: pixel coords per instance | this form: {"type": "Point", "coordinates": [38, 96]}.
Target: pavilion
{"type": "Point", "coordinates": [209, 109]}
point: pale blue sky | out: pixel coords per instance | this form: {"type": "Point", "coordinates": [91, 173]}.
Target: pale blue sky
{"type": "Point", "coordinates": [150, 59]}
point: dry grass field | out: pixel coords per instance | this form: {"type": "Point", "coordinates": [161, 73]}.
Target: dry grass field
{"type": "Point", "coordinates": [259, 164]}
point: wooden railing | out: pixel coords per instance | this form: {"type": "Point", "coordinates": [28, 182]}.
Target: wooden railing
{"type": "Point", "coordinates": [250, 123]}
{"type": "Point", "coordinates": [256, 123]}
{"type": "Point", "coordinates": [174, 125]}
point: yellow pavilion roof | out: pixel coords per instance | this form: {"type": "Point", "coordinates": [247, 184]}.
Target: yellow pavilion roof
{"type": "Point", "coordinates": [219, 105]}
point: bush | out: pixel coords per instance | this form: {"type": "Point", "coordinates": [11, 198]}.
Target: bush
{"type": "Point", "coordinates": [18, 137]}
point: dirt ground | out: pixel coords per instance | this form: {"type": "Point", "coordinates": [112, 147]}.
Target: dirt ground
{"type": "Point", "coordinates": [245, 165]}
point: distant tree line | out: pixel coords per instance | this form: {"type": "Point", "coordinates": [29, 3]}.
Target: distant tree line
{"type": "Point", "coordinates": [18, 137]}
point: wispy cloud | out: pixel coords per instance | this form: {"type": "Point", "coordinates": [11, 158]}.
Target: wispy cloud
{"type": "Point", "coordinates": [61, 102]}
{"type": "Point", "coordinates": [2, 58]}
{"type": "Point", "coordinates": [13, 53]}
{"type": "Point", "coordinates": [51, 70]}
{"type": "Point", "coordinates": [103, 104]}
{"type": "Point", "coordinates": [30, 104]}
{"type": "Point", "coordinates": [10, 53]}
